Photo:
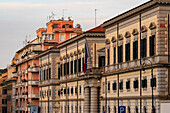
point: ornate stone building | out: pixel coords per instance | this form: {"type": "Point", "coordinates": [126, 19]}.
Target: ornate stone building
{"type": "Point", "coordinates": [137, 46]}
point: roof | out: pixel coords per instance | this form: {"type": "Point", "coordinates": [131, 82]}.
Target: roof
{"type": "Point", "coordinates": [97, 29]}
{"type": "Point", "coordinates": [134, 11]}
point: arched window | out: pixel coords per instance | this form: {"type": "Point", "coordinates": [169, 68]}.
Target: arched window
{"type": "Point", "coordinates": [114, 109]}
{"type": "Point", "coordinates": [144, 109]}
{"type": "Point", "coordinates": [136, 109]}
{"type": "Point", "coordinates": [128, 109]}
{"type": "Point", "coordinates": [108, 109]}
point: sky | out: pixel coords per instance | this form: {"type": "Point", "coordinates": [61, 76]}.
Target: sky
{"type": "Point", "coordinates": [21, 18]}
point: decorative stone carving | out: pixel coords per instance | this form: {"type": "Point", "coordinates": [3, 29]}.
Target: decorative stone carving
{"type": "Point", "coordinates": [127, 34]}
{"type": "Point", "coordinates": [83, 50]}
{"type": "Point", "coordinates": [71, 54]}
{"type": "Point", "coordinates": [64, 57]}
{"type": "Point", "coordinates": [152, 25]}
{"type": "Point", "coordinates": [107, 41]}
{"type": "Point", "coordinates": [120, 37]}
{"type": "Point", "coordinates": [113, 39]}
{"type": "Point", "coordinates": [75, 53]}
{"type": "Point", "coordinates": [61, 58]}
{"type": "Point", "coordinates": [135, 32]}
{"type": "Point", "coordinates": [68, 56]}
{"type": "Point", "coordinates": [79, 51]}
{"type": "Point", "coordinates": [143, 29]}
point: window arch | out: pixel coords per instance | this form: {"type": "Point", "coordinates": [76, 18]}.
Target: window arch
{"type": "Point", "coordinates": [114, 109]}
{"type": "Point", "coordinates": [128, 109]}
{"type": "Point", "coordinates": [136, 109]}
{"type": "Point", "coordinates": [144, 109]}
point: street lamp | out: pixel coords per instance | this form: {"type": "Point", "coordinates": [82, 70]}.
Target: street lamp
{"type": "Point", "coordinates": [153, 108]}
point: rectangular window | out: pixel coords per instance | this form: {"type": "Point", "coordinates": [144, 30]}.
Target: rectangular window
{"type": "Point", "coordinates": [120, 54]}
{"type": "Point", "coordinates": [61, 67]}
{"type": "Point", "coordinates": [127, 52]}
{"type": "Point", "coordinates": [79, 65]}
{"type": "Point", "coordinates": [108, 88]}
{"type": "Point", "coordinates": [128, 84]}
{"type": "Point", "coordinates": [135, 50]}
{"type": "Point", "coordinates": [75, 66]}
{"type": "Point", "coordinates": [80, 89]}
{"type": "Point", "coordinates": [114, 86]}
{"type": "Point", "coordinates": [71, 67]}
{"type": "Point", "coordinates": [72, 90]}
{"type": "Point", "coordinates": [75, 90]}
{"type": "Point", "coordinates": [44, 74]}
{"type": "Point", "coordinates": [144, 83]}
{"type": "Point", "coordinates": [49, 73]}
{"type": "Point", "coordinates": [153, 82]}
{"type": "Point", "coordinates": [101, 61]}
{"type": "Point", "coordinates": [143, 48]}
{"type": "Point", "coordinates": [108, 56]}
{"type": "Point", "coordinates": [121, 85]}
{"type": "Point", "coordinates": [62, 37]}
{"type": "Point", "coordinates": [59, 74]}
{"type": "Point", "coordinates": [64, 91]}
{"type": "Point", "coordinates": [40, 74]}
{"type": "Point", "coordinates": [67, 68]}
{"type": "Point", "coordinates": [83, 63]}
{"type": "Point", "coordinates": [114, 51]}
{"type": "Point", "coordinates": [135, 84]}
{"type": "Point", "coordinates": [152, 45]}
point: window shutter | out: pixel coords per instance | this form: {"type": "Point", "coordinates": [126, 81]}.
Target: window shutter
{"type": "Point", "coordinates": [126, 85]}
{"type": "Point", "coordinates": [83, 63]}
{"type": "Point", "coordinates": [79, 65]}
{"type": "Point", "coordinates": [142, 83]}
{"type": "Point", "coordinates": [136, 49]}
{"type": "Point", "coordinates": [71, 67]}
{"type": "Point", "coordinates": [108, 56]}
{"type": "Point", "coordinates": [75, 66]}
{"type": "Point", "coordinates": [114, 55]}
{"type": "Point", "coordinates": [67, 68]}
{"type": "Point", "coordinates": [144, 47]}
{"type": "Point", "coordinates": [141, 49]}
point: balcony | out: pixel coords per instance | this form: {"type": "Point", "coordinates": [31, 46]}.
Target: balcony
{"type": "Point", "coordinates": [33, 96]}
{"type": "Point", "coordinates": [15, 75]}
{"type": "Point", "coordinates": [24, 84]}
{"type": "Point", "coordinates": [33, 69]}
{"type": "Point", "coordinates": [67, 30]}
{"type": "Point", "coordinates": [33, 83]}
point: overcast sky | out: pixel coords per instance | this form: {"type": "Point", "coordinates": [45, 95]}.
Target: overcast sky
{"type": "Point", "coordinates": [21, 18]}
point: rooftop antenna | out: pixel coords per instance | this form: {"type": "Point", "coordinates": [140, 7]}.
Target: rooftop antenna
{"type": "Point", "coordinates": [63, 13]}
{"type": "Point", "coordinates": [52, 16]}
{"type": "Point", "coordinates": [95, 17]}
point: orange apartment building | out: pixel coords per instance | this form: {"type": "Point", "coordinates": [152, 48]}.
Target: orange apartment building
{"type": "Point", "coordinates": [27, 63]}
{"type": "Point", "coordinates": [3, 93]}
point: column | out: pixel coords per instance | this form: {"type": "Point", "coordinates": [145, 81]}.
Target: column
{"type": "Point", "coordinates": [86, 100]}
{"type": "Point", "coordinates": [94, 103]}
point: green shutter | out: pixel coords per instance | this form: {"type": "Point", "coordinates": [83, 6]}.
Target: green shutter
{"type": "Point", "coordinates": [67, 68]}
{"type": "Point", "coordinates": [108, 56]}
{"type": "Point", "coordinates": [152, 44]}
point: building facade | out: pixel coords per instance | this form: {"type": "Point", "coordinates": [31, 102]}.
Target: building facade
{"type": "Point", "coordinates": [71, 67]}
{"type": "Point", "coordinates": [137, 47]}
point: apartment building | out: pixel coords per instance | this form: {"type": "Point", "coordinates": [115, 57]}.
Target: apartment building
{"type": "Point", "coordinates": [70, 68]}
{"type": "Point", "coordinates": [3, 92]}
{"type": "Point", "coordinates": [137, 59]}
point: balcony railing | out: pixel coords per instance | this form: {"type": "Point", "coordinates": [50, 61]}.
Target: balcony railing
{"type": "Point", "coordinates": [33, 69]}
{"type": "Point", "coordinates": [33, 95]}
{"type": "Point", "coordinates": [33, 82]}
